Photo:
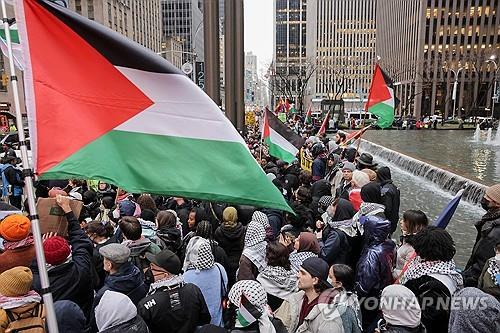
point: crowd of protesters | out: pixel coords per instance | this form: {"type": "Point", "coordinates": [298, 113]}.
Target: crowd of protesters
{"type": "Point", "coordinates": [146, 263]}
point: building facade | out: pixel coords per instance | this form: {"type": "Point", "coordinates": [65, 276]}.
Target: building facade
{"type": "Point", "coordinates": [135, 19]}
{"type": "Point", "coordinates": [438, 43]}
{"type": "Point", "coordinates": [289, 52]}
{"type": "Point", "coordinates": [184, 19]}
{"type": "Point", "coordinates": [251, 78]}
{"type": "Point", "coordinates": [341, 49]}
{"type": "Point", "coordinates": [172, 51]}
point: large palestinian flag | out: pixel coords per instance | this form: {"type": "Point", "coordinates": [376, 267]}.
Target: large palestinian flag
{"type": "Point", "coordinates": [283, 143]}
{"type": "Point", "coordinates": [103, 107]}
{"type": "Point", "coordinates": [381, 102]}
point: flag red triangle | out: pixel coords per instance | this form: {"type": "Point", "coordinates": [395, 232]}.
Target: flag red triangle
{"type": "Point", "coordinates": [324, 125]}
{"type": "Point", "coordinates": [79, 94]}
{"type": "Point", "coordinates": [265, 126]}
{"type": "Point", "coordinates": [379, 91]}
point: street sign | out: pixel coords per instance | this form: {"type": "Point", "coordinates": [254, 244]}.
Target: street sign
{"type": "Point", "coordinates": [200, 74]}
{"type": "Point", "coordinates": [187, 68]}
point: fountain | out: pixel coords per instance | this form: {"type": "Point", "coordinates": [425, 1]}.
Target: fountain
{"type": "Point", "coordinates": [444, 179]}
{"type": "Point", "coordinates": [477, 132]}
{"type": "Point", "coordinates": [488, 136]}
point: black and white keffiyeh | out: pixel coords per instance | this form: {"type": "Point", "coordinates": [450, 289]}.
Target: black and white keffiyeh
{"type": "Point", "coordinates": [198, 254]}
{"type": "Point", "coordinates": [256, 295]}
{"type": "Point", "coordinates": [255, 245]}
{"type": "Point", "coordinates": [261, 218]}
{"type": "Point", "coordinates": [419, 268]}
{"type": "Point", "coordinates": [297, 258]}
{"type": "Point", "coordinates": [493, 270]}
{"type": "Point", "coordinates": [281, 277]}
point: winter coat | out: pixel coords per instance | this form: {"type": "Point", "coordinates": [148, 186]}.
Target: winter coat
{"type": "Point", "coordinates": [271, 168]}
{"type": "Point", "coordinates": [11, 176]}
{"type": "Point", "coordinates": [22, 256]}
{"type": "Point", "coordinates": [390, 196]}
{"type": "Point", "coordinates": [318, 320]}
{"type": "Point", "coordinates": [72, 280]}
{"type": "Point", "coordinates": [336, 248]}
{"type": "Point", "coordinates": [435, 317]}
{"type": "Point", "coordinates": [232, 241]}
{"type": "Point", "coordinates": [488, 234]}
{"type": "Point", "coordinates": [247, 269]}
{"type": "Point", "coordinates": [374, 269]}
{"type": "Point", "coordinates": [138, 250]}
{"type": "Point", "coordinates": [136, 325]}
{"type": "Point", "coordinates": [343, 190]}
{"type": "Point", "coordinates": [318, 168]}
{"type": "Point", "coordinates": [68, 309]}
{"type": "Point", "coordinates": [169, 238]}
{"type": "Point", "coordinates": [487, 283]}
{"type": "Point", "coordinates": [97, 260]}
{"type": "Point", "coordinates": [161, 314]}
{"type": "Point", "coordinates": [404, 254]}
{"type": "Point", "coordinates": [128, 281]}
{"type": "Point", "coordinates": [291, 177]}
{"type": "Point", "coordinates": [4, 319]}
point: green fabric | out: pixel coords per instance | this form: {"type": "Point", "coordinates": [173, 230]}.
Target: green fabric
{"type": "Point", "coordinates": [384, 113]}
{"type": "Point", "coordinates": [14, 35]}
{"type": "Point", "coordinates": [278, 152]}
{"type": "Point", "coordinates": [191, 168]}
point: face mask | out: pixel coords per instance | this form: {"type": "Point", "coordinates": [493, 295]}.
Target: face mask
{"type": "Point", "coordinates": [485, 204]}
{"type": "Point", "coordinates": [497, 259]}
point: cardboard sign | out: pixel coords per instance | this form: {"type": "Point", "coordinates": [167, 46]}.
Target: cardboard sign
{"type": "Point", "coordinates": [52, 217]}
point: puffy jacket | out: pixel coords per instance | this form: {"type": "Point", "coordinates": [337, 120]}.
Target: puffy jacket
{"type": "Point", "coordinates": [336, 248]}
{"type": "Point", "coordinates": [128, 281]}
{"type": "Point", "coordinates": [319, 168]}
{"type": "Point", "coordinates": [374, 269]}
{"type": "Point", "coordinates": [73, 280]}
{"type": "Point", "coordinates": [169, 238]}
{"type": "Point", "coordinates": [11, 176]}
{"type": "Point", "coordinates": [488, 234]}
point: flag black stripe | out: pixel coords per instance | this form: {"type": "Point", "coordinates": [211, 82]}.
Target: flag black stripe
{"type": "Point", "coordinates": [284, 131]}
{"type": "Point", "coordinates": [117, 49]}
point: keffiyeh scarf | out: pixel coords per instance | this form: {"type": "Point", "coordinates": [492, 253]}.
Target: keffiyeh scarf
{"type": "Point", "coordinates": [283, 278]}
{"type": "Point", "coordinates": [198, 254]}
{"type": "Point", "coordinates": [28, 241]}
{"type": "Point", "coordinates": [16, 302]}
{"type": "Point", "coordinates": [419, 268]}
{"type": "Point", "coordinates": [494, 271]}
{"type": "Point", "coordinates": [297, 258]}
{"type": "Point", "coordinates": [255, 245]}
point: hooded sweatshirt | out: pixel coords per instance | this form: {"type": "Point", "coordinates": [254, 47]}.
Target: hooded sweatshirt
{"type": "Point", "coordinates": [109, 315]}
{"type": "Point", "coordinates": [400, 307]}
{"type": "Point", "coordinates": [68, 309]}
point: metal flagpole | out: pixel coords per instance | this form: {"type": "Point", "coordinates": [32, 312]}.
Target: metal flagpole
{"type": "Point", "coordinates": [28, 181]}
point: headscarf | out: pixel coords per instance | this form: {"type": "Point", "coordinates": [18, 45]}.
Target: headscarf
{"type": "Point", "coordinates": [308, 243]}
{"type": "Point", "coordinates": [400, 306]}
{"type": "Point", "coordinates": [198, 254]}
{"type": "Point", "coordinates": [230, 218]}
{"type": "Point", "coordinates": [261, 218]}
{"type": "Point", "coordinates": [257, 297]}
{"type": "Point", "coordinates": [255, 245]}
{"type": "Point", "coordinates": [344, 210]}
{"type": "Point", "coordinates": [465, 317]}
{"type": "Point", "coordinates": [108, 314]}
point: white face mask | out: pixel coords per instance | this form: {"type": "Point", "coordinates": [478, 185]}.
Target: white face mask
{"type": "Point", "coordinates": [497, 259]}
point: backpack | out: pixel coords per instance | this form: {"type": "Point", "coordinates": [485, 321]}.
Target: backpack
{"type": "Point", "coordinates": [31, 321]}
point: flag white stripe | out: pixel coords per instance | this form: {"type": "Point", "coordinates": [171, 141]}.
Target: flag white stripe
{"type": "Point", "coordinates": [277, 139]}
{"type": "Point", "coordinates": [180, 109]}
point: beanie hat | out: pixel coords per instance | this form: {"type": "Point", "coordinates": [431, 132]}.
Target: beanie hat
{"type": "Point", "coordinates": [230, 217]}
{"type": "Point", "coordinates": [16, 281]}
{"type": "Point", "coordinates": [56, 250]}
{"type": "Point", "coordinates": [127, 208]}
{"type": "Point", "coordinates": [493, 192]}
{"type": "Point", "coordinates": [15, 227]}
{"type": "Point", "coordinates": [348, 166]}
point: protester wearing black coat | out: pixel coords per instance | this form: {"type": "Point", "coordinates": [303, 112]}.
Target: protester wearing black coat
{"type": "Point", "coordinates": [488, 235]}
{"type": "Point", "coordinates": [390, 196]}
{"type": "Point", "coordinates": [232, 241]}
{"type": "Point", "coordinates": [72, 280]}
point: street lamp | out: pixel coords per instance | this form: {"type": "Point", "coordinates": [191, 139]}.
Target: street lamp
{"type": "Point", "coordinates": [495, 97]}
{"type": "Point", "coordinates": [181, 52]}
{"type": "Point", "coordinates": [455, 84]}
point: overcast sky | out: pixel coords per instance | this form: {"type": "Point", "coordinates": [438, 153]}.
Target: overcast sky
{"type": "Point", "coordinates": [259, 30]}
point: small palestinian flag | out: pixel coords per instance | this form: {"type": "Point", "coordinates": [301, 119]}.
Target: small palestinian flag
{"type": "Point", "coordinates": [280, 107]}
{"type": "Point", "coordinates": [308, 119]}
{"type": "Point", "coordinates": [381, 101]}
{"type": "Point", "coordinates": [103, 107]}
{"type": "Point", "coordinates": [324, 125]}
{"type": "Point", "coordinates": [353, 136]}
{"type": "Point", "coordinates": [247, 313]}
{"type": "Point", "coordinates": [283, 143]}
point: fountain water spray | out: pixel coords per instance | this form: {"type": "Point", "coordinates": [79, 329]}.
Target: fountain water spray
{"type": "Point", "coordinates": [488, 136]}
{"type": "Point", "coordinates": [477, 132]}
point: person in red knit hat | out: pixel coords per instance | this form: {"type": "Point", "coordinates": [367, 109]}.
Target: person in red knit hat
{"type": "Point", "coordinates": [70, 269]}
{"type": "Point", "coordinates": [19, 248]}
